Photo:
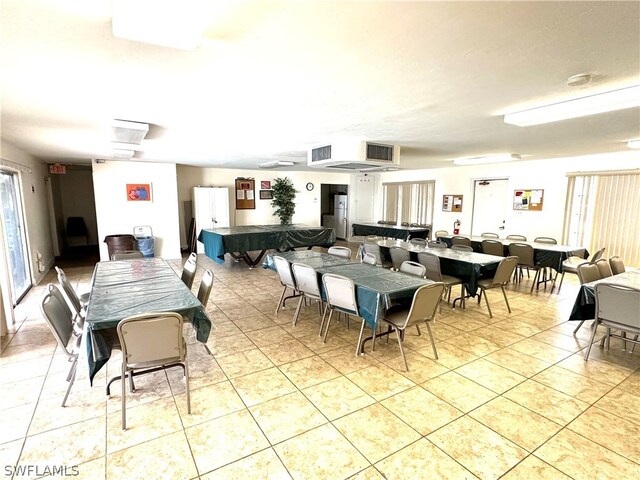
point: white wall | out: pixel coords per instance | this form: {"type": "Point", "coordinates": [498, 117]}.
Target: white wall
{"type": "Point", "coordinates": [549, 175]}
{"type": "Point", "coordinates": [116, 215]}
{"type": "Point", "coordinates": [308, 209]}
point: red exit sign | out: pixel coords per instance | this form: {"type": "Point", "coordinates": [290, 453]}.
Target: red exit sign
{"type": "Point", "coordinates": [57, 169]}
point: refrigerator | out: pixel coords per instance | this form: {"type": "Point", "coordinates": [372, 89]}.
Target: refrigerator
{"type": "Point", "coordinates": [340, 222]}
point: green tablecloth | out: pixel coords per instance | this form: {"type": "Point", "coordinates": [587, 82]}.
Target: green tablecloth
{"type": "Point", "coordinates": [391, 231]}
{"type": "Point", "coordinates": [121, 289]}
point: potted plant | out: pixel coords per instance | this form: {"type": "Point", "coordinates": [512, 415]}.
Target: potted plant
{"type": "Point", "coordinates": [284, 195]}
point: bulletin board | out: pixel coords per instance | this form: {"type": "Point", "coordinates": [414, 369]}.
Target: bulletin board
{"type": "Point", "coordinates": [452, 203]}
{"type": "Point", "coordinates": [528, 199]}
{"type": "Point", "coordinates": [245, 194]}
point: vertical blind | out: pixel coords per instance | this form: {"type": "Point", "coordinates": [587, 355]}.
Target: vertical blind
{"type": "Point", "coordinates": [411, 202]}
{"type": "Point", "coordinates": [390, 202]}
{"type": "Point", "coordinates": [602, 211]}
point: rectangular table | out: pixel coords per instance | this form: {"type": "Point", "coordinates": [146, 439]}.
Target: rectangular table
{"type": "Point", "coordinates": [390, 231]}
{"type": "Point", "coordinates": [584, 308]}
{"type": "Point", "coordinates": [238, 241]}
{"type": "Point", "coordinates": [121, 289]}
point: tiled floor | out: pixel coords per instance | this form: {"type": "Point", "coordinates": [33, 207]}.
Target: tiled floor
{"type": "Point", "coordinates": [509, 397]}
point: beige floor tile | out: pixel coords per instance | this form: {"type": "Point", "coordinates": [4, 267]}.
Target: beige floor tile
{"type": "Point", "coordinates": [81, 405]}
{"type": "Point", "coordinates": [552, 404]}
{"type": "Point", "coordinates": [491, 376]}
{"type": "Point", "coordinates": [262, 386]}
{"type": "Point", "coordinates": [621, 403]}
{"type": "Point", "coordinates": [450, 356]}
{"type": "Point", "coordinates": [596, 370]}
{"type": "Point", "coordinates": [209, 402]}
{"type": "Point", "coordinates": [422, 459]}
{"type": "Point", "coordinates": [422, 410]}
{"type": "Point", "coordinates": [320, 454]}
{"type": "Point", "coordinates": [380, 381]}
{"type": "Point", "coordinates": [268, 336]}
{"type": "Point", "coordinates": [421, 368]}
{"type": "Point", "coordinates": [532, 468]}
{"type": "Point", "coordinates": [515, 326]}
{"type": "Point", "coordinates": [499, 336]}
{"type": "Point", "coordinates": [584, 459]}
{"type": "Point", "coordinates": [376, 432]}
{"type": "Point", "coordinates": [13, 372]}
{"type": "Point", "coordinates": [228, 345]}
{"type": "Point", "coordinates": [517, 362]}
{"type": "Point", "coordinates": [488, 457]}
{"type": "Point", "coordinates": [571, 383]}
{"type": "Point", "coordinates": [368, 474]}
{"type": "Point", "coordinates": [133, 463]}
{"type": "Point", "coordinates": [309, 371]}
{"type": "Point", "coordinates": [266, 464]}
{"type": "Point", "coordinates": [541, 351]}
{"type": "Point", "coordinates": [632, 384]}
{"type": "Point", "coordinates": [570, 343]}
{"type": "Point", "coordinates": [346, 361]}
{"type": "Point", "coordinates": [315, 343]}
{"type": "Point", "coordinates": [22, 392]}
{"type": "Point", "coordinates": [474, 344]}
{"type": "Point", "coordinates": [337, 397]}
{"type": "Point", "coordinates": [9, 454]}
{"type": "Point", "coordinates": [516, 423]}
{"type": "Point", "coordinates": [287, 416]}
{"type": "Point", "coordinates": [248, 319]}
{"type": "Point", "coordinates": [203, 371]}
{"type": "Point", "coordinates": [224, 329]}
{"type": "Point", "coordinates": [287, 352]}
{"type": "Point", "coordinates": [244, 363]}
{"type": "Point", "coordinates": [225, 440]}
{"type": "Point", "coordinates": [610, 431]}
{"type": "Point", "coordinates": [149, 388]}
{"type": "Point", "coordinates": [92, 470]}
{"type": "Point", "coordinates": [459, 391]}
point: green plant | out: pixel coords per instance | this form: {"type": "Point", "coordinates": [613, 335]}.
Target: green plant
{"type": "Point", "coordinates": [284, 195]}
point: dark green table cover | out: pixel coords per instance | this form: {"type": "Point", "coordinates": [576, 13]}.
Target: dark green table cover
{"type": "Point", "coordinates": [584, 308]}
{"type": "Point", "coordinates": [390, 231]}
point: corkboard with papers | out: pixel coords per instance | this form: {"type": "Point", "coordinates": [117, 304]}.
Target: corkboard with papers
{"type": "Point", "coordinates": [528, 199]}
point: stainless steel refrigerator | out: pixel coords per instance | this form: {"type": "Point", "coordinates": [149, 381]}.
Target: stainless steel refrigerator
{"type": "Point", "coordinates": [340, 222]}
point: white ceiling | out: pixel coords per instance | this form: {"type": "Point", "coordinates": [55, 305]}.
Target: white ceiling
{"type": "Point", "coordinates": [271, 79]}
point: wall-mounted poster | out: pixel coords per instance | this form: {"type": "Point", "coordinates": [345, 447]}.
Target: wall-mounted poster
{"type": "Point", "coordinates": [266, 194]}
{"type": "Point", "coordinates": [265, 184]}
{"type": "Point", "coordinates": [139, 192]}
{"type": "Point", "coordinates": [245, 194]}
{"type": "Point", "coordinates": [528, 199]}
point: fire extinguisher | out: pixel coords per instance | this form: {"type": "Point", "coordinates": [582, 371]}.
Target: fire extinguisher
{"type": "Point", "coordinates": [456, 227]}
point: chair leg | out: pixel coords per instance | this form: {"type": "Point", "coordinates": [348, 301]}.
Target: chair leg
{"type": "Point", "coordinates": [535, 279]}
{"type": "Point", "coordinates": [486, 299]}
{"type": "Point", "coordinates": [578, 327]}
{"type": "Point", "coordinates": [284, 290]}
{"type": "Point", "coordinates": [360, 337]}
{"type": "Point", "coordinates": [186, 379]}
{"type": "Point", "coordinates": [506, 300]}
{"type": "Point", "coordinates": [404, 359]}
{"type": "Point", "coordinates": [593, 336]}
{"type": "Point", "coordinates": [326, 329]}
{"type": "Point", "coordinates": [326, 307]}
{"type": "Point", "coordinates": [297, 312]}
{"type": "Point", "coordinates": [124, 398]}
{"type": "Point", "coordinates": [433, 344]}
{"type": "Point", "coordinates": [561, 280]}
{"type": "Point", "coordinates": [418, 328]}
{"type": "Point", "coordinates": [71, 377]}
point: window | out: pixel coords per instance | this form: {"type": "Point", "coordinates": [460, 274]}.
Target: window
{"type": "Point", "coordinates": [410, 202]}
{"type": "Point", "coordinates": [602, 210]}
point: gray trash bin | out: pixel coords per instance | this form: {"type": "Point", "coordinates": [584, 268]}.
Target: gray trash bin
{"type": "Point", "coordinates": [145, 240]}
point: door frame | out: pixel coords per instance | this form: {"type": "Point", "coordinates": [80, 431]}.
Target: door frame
{"type": "Point", "coordinates": [473, 189]}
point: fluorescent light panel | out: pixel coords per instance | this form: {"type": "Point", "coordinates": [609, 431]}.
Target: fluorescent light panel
{"type": "Point", "coordinates": [276, 164]}
{"type": "Point", "coordinates": [501, 158]}
{"type": "Point", "coordinates": [580, 107]}
{"type": "Point", "coordinates": [635, 144]}
{"type": "Point", "coordinates": [120, 154]}
{"type": "Point", "coordinates": [124, 131]}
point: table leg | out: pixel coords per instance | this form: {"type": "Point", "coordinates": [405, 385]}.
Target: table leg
{"type": "Point", "coordinates": [246, 258]}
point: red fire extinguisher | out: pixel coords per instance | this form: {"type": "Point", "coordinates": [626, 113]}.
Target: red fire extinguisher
{"type": "Point", "coordinates": [456, 227]}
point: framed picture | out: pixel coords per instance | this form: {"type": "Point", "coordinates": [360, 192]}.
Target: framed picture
{"type": "Point", "coordinates": [265, 185]}
{"type": "Point", "coordinates": [138, 192]}
{"type": "Point", "coordinates": [266, 194]}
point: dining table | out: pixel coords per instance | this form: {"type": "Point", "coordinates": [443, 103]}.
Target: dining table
{"type": "Point", "coordinates": [120, 289]}
{"type": "Point", "coordinates": [584, 307]}
{"type": "Point", "coordinates": [402, 232]}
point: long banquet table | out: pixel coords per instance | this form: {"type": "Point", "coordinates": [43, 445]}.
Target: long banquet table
{"type": "Point", "coordinates": [390, 231]}
{"type": "Point", "coordinates": [584, 307]}
{"type": "Point", "coordinates": [238, 241]}
{"type": "Point", "coordinates": [124, 288]}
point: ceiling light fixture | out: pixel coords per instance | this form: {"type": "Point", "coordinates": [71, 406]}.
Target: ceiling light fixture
{"type": "Point", "coordinates": [120, 154]}
{"type": "Point", "coordinates": [580, 107]}
{"type": "Point", "coordinates": [635, 144]}
{"type": "Point", "coordinates": [124, 131]}
{"type": "Point", "coordinates": [276, 164]}
{"type": "Point", "coordinates": [500, 158]}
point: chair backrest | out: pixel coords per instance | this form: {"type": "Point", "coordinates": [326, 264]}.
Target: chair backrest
{"type": "Point", "coordinates": [306, 279]}
{"type": "Point", "coordinates": [398, 255]}
{"type": "Point", "coordinates": [58, 316]}
{"type": "Point", "coordinates": [520, 238]}
{"type": "Point", "coordinates": [437, 244]}
{"type": "Point", "coordinates": [283, 267]}
{"type": "Point", "coordinates": [404, 224]}
{"type": "Point", "coordinates": [524, 252]}
{"type": "Point", "coordinates": [462, 248]}
{"type": "Point", "coordinates": [338, 251]}
{"type": "Point", "coordinates": [372, 239]}
{"type": "Point", "coordinates": [458, 240]}
{"type": "Point", "coordinates": [151, 339]}
{"type": "Point", "coordinates": [493, 247]}
{"type": "Point", "coordinates": [418, 241]}
{"type": "Point", "coordinates": [505, 270]}
{"type": "Point", "coordinates": [604, 268]}
{"type": "Point", "coordinates": [618, 304]}
{"type": "Point", "coordinates": [489, 235]}
{"type": "Point", "coordinates": [432, 265]}
{"type": "Point", "coordinates": [440, 233]}
{"type": "Point", "coordinates": [425, 303]}
{"type": "Point", "coordinates": [549, 240]}
{"type": "Point", "coordinates": [598, 255]}
{"type": "Point", "coordinates": [189, 272]}
{"type": "Point", "coordinates": [69, 290]}
{"type": "Point", "coordinates": [374, 249]}
{"type": "Point", "coordinates": [205, 287]}
{"type": "Point", "coordinates": [381, 222]}
{"type": "Point", "coordinates": [370, 259]}
{"type": "Point", "coordinates": [127, 255]}
{"type": "Point", "coordinates": [588, 272]}
{"type": "Point", "coordinates": [413, 268]}
{"type": "Point", "coordinates": [617, 265]}
{"type": "Point", "coordinates": [341, 292]}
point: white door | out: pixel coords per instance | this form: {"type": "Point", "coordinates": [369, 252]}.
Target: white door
{"type": "Point", "coordinates": [221, 207]}
{"type": "Point", "coordinates": [490, 206]}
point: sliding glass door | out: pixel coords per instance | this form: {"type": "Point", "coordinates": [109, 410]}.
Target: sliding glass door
{"type": "Point", "coordinates": [15, 239]}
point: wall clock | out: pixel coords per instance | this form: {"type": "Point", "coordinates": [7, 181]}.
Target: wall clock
{"type": "Point", "coordinates": [309, 186]}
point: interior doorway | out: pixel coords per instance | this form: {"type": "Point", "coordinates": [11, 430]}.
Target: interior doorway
{"type": "Point", "coordinates": [334, 207]}
{"type": "Point", "coordinates": [15, 239]}
{"type": "Point", "coordinates": [490, 206]}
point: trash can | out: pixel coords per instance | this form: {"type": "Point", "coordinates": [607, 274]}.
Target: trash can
{"type": "Point", "coordinates": [119, 243]}
{"type": "Point", "coordinates": [145, 240]}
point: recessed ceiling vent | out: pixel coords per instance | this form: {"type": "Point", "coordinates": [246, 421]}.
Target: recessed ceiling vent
{"type": "Point", "coordinates": [354, 155]}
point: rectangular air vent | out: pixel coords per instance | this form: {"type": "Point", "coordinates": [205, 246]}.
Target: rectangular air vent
{"type": "Point", "coordinates": [379, 152]}
{"type": "Point", "coordinates": [321, 153]}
